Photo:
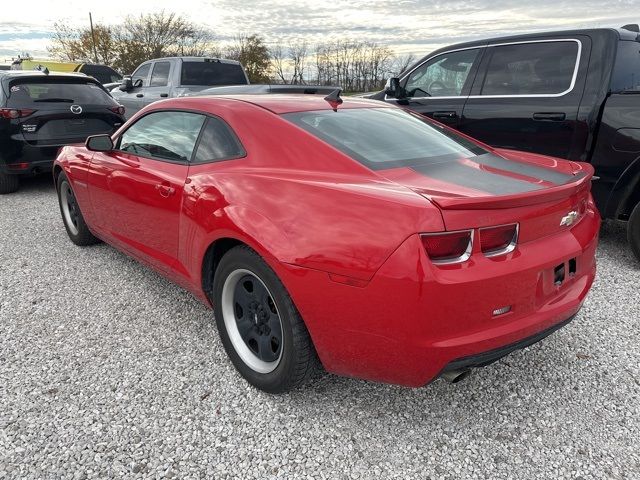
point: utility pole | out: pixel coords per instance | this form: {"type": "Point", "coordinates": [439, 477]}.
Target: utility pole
{"type": "Point", "coordinates": [93, 37]}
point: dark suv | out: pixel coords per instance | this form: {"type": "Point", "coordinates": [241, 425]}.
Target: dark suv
{"type": "Point", "coordinates": [570, 94]}
{"type": "Point", "coordinates": [40, 112]}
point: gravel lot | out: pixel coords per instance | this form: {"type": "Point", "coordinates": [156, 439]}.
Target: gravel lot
{"type": "Point", "coordinates": [108, 370]}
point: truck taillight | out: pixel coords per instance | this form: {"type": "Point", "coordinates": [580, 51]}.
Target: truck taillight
{"type": "Point", "coordinates": [117, 109]}
{"type": "Point", "coordinates": [498, 240]}
{"type": "Point", "coordinates": [12, 113]}
{"type": "Point", "coordinates": [448, 247]}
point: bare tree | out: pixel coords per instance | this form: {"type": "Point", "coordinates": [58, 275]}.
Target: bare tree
{"type": "Point", "coordinates": [278, 63]}
{"type": "Point", "coordinates": [402, 63]}
{"type": "Point", "coordinates": [354, 65]}
{"type": "Point", "coordinates": [157, 35]}
{"type": "Point", "coordinates": [298, 57]}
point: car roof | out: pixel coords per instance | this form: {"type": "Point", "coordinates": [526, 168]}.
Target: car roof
{"type": "Point", "coordinates": [288, 103]}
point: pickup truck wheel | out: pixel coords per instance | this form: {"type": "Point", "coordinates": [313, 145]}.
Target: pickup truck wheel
{"type": "Point", "coordinates": [8, 183]}
{"type": "Point", "coordinates": [260, 327]}
{"type": "Point", "coordinates": [633, 231]}
{"type": "Point", "coordinates": [72, 217]}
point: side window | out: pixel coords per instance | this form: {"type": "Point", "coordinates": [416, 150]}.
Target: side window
{"type": "Point", "coordinates": [160, 74]}
{"type": "Point", "coordinates": [626, 72]}
{"type": "Point", "coordinates": [442, 76]}
{"type": "Point", "coordinates": [218, 142]}
{"type": "Point", "coordinates": [531, 68]}
{"type": "Point", "coordinates": [163, 136]}
{"type": "Point", "coordinates": [142, 73]}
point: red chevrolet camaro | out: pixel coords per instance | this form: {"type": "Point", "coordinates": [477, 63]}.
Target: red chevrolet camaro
{"type": "Point", "coordinates": [385, 245]}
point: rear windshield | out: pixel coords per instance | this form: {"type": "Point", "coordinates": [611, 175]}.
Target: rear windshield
{"type": "Point", "coordinates": [102, 73]}
{"type": "Point", "coordinates": [30, 92]}
{"type": "Point", "coordinates": [626, 73]}
{"type": "Point", "coordinates": [212, 73]}
{"type": "Point", "coordinates": [384, 138]}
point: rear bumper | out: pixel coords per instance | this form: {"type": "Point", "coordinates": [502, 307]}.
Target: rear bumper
{"type": "Point", "coordinates": [27, 159]}
{"type": "Point", "coordinates": [487, 358]}
{"type": "Point", "coordinates": [414, 320]}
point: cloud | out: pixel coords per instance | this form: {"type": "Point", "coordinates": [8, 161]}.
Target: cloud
{"type": "Point", "coordinates": [408, 26]}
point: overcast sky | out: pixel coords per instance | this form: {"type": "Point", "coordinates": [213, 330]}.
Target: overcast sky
{"type": "Point", "coordinates": [408, 26]}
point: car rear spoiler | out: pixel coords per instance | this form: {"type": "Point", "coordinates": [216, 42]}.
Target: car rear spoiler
{"type": "Point", "coordinates": [580, 182]}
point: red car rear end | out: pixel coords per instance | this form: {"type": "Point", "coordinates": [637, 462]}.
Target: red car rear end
{"type": "Point", "coordinates": [513, 263]}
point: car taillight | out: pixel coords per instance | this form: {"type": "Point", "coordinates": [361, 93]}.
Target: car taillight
{"type": "Point", "coordinates": [11, 113]}
{"type": "Point", "coordinates": [448, 247]}
{"type": "Point", "coordinates": [498, 240]}
{"type": "Point", "coordinates": [118, 109]}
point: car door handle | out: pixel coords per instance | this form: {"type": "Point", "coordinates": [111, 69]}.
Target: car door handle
{"type": "Point", "coordinates": [139, 95]}
{"type": "Point", "coordinates": [550, 117]}
{"type": "Point", "coordinates": [165, 189]}
{"type": "Point", "coordinates": [445, 115]}
{"type": "Point", "coordinates": [164, 95]}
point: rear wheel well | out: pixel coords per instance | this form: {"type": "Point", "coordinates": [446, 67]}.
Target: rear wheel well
{"type": "Point", "coordinates": [212, 258]}
{"type": "Point", "coordinates": [632, 201]}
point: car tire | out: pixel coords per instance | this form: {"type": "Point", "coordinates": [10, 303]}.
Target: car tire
{"type": "Point", "coordinates": [249, 303]}
{"type": "Point", "coordinates": [8, 183]}
{"type": "Point", "coordinates": [633, 231]}
{"type": "Point", "coordinates": [72, 218]}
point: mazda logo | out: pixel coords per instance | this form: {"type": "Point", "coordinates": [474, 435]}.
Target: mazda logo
{"type": "Point", "coordinates": [77, 109]}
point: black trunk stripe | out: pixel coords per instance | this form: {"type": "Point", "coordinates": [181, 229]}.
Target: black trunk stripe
{"type": "Point", "coordinates": [527, 170]}
{"type": "Point", "coordinates": [466, 176]}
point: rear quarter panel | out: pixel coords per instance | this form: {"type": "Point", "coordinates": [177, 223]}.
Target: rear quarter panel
{"type": "Point", "coordinates": [298, 200]}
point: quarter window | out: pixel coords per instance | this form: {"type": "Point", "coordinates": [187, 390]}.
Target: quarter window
{"type": "Point", "coordinates": [626, 73]}
{"type": "Point", "coordinates": [142, 73]}
{"type": "Point", "coordinates": [218, 142]}
{"type": "Point", "coordinates": [542, 68]}
{"type": "Point", "coordinates": [163, 135]}
{"type": "Point", "coordinates": [442, 76]}
{"type": "Point", "coordinates": [160, 74]}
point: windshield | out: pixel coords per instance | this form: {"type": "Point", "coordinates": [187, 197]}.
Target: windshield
{"type": "Point", "coordinates": [384, 138]}
{"type": "Point", "coordinates": [33, 92]}
{"type": "Point", "coordinates": [210, 73]}
{"type": "Point", "coordinates": [626, 73]}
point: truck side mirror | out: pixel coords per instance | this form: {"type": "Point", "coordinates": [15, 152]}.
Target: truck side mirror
{"type": "Point", "coordinates": [393, 88]}
{"type": "Point", "coordinates": [127, 84]}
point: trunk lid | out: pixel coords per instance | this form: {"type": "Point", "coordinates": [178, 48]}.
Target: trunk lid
{"type": "Point", "coordinates": [502, 187]}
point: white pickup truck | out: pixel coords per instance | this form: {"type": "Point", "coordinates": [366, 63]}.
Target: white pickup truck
{"type": "Point", "coordinates": [173, 77]}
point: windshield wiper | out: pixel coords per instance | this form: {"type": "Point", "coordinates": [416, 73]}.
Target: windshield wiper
{"type": "Point", "coordinates": [55, 100]}
{"type": "Point", "coordinates": [630, 91]}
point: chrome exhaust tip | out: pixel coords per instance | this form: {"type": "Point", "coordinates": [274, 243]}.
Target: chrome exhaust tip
{"type": "Point", "coordinates": [455, 376]}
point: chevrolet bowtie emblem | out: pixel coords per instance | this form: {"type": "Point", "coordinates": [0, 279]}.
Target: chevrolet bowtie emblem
{"type": "Point", "coordinates": [569, 219]}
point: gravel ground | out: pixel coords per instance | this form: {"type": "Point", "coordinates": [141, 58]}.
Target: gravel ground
{"type": "Point", "coordinates": [108, 370]}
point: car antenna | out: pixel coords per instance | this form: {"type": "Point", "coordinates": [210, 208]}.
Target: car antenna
{"type": "Point", "coordinates": [334, 99]}
{"type": "Point", "coordinates": [43, 69]}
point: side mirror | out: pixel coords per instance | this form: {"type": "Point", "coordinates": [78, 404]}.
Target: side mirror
{"type": "Point", "coordinates": [393, 88]}
{"type": "Point", "coordinates": [126, 85]}
{"type": "Point", "coordinates": [99, 143]}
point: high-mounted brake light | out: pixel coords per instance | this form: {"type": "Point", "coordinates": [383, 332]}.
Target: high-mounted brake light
{"type": "Point", "coordinates": [12, 113]}
{"type": "Point", "coordinates": [448, 247]}
{"type": "Point", "coordinates": [118, 109]}
{"type": "Point", "coordinates": [499, 240]}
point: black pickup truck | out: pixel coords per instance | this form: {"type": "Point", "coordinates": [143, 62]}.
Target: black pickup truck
{"type": "Point", "coordinates": [570, 94]}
